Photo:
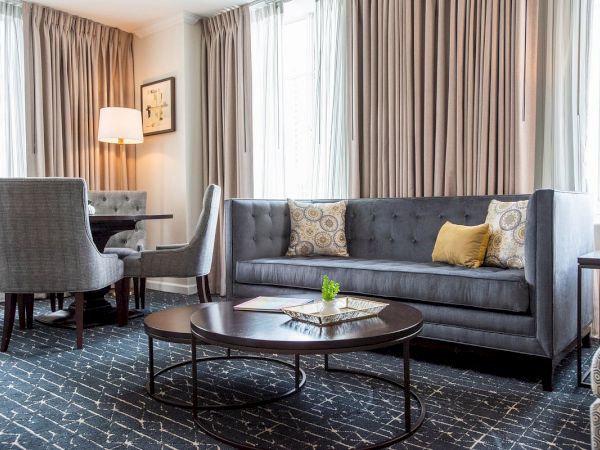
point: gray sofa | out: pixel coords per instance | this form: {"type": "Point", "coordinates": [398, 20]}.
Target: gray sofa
{"type": "Point", "coordinates": [390, 241]}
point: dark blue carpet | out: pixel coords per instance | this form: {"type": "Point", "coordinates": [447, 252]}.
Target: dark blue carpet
{"type": "Point", "coordinates": [52, 396]}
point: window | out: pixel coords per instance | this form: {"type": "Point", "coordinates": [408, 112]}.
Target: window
{"type": "Point", "coordinates": [299, 112]}
{"type": "Point", "coordinates": [12, 93]}
{"type": "Point", "coordinates": [592, 117]}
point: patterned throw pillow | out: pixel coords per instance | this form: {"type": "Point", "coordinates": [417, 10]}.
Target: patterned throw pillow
{"type": "Point", "coordinates": [507, 243]}
{"type": "Point", "coordinates": [317, 229]}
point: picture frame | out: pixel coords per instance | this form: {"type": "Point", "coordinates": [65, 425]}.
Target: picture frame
{"type": "Point", "coordinates": [157, 104]}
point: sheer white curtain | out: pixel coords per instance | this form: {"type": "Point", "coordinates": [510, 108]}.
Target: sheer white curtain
{"type": "Point", "coordinates": [562, 149]}
{"type": "Point", "coordinates": [300, 99]}
{"type": "Point", "coordinates": [592, 147]}
{"type": "Point", "coordinates": [12, 94]}
{"type": "Point", "coordinates": [267, 113]}
{"type": "Point", "coordinates": [332, 140]}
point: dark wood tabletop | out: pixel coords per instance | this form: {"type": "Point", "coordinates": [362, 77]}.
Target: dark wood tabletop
{"type": "Point", "coordinates": [219, 324]}
{"type": "Point", "coordinates": [95, 218]}
{"type": "Point", "coordinates": [173, 324]}
{"type": "Point", "coordinates": [591, 259]}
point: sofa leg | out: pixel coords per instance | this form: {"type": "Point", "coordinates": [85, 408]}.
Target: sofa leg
{"type": "Point", "coordinates": [547, 375]}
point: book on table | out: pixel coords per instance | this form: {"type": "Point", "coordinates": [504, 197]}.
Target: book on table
{"type": "Point", "coordinates": [271, 304]}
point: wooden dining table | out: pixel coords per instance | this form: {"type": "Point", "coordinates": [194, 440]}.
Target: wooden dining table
{"type": "Point", "coordinates": [97, 310]}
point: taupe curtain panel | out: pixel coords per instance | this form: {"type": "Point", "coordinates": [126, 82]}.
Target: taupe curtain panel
{"type": "Point", "coordinates": [74, 67]}
{"type": "Point", "coordinates": [225, 121]}
{"type": "Point", "coordinates": [443, 97]}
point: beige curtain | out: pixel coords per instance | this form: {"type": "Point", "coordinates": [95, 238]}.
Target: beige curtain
{"type": "Point", "coordinates": [443, 97]}
{"type": "Point", "coordinates": [74, 67]}
{"type": "Point", "coordinates": [225, 120]}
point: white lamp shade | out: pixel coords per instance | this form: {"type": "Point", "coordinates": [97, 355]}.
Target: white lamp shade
{"type": "Point", "coordinates": [120, 126]}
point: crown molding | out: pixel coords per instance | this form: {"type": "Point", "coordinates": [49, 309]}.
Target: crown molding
{"type": "Point", "coordinates": [166, 23]}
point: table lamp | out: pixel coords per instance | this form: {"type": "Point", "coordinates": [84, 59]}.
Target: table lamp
{"type": "Point", "coordinates": [120, 126]}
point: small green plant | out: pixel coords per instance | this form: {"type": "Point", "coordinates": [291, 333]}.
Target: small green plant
{"type": "Point", "coordinates": [329, 289]}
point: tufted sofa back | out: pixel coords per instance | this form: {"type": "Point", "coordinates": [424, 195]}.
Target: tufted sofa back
{"type": "Point", "coordinates": [403, 229]}
{"type": "Point", "coordinates": [406, 228]}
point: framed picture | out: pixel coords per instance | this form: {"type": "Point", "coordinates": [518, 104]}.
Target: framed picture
{"type": "Point", "coordinates": [158, 106]}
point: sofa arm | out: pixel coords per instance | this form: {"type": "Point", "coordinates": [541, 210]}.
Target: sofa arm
{"type": "Point", "coordinates": [254, 229]}
{"type": "Point", "coordinates": [561, 227]}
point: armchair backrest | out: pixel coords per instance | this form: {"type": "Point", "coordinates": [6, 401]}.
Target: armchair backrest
{"type": "Point", "coordinates": [203, 242]}
{"type": "Point", "coordinates": [122, 202]}
{"type": "Point", "coordinates": [45, 239]}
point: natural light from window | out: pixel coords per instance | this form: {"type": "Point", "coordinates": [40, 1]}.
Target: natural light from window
{"type": "Point", "coordinates": [592, 143]}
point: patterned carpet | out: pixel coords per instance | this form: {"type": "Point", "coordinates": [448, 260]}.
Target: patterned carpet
{"type": "Point", "coordinates": [54, 397]}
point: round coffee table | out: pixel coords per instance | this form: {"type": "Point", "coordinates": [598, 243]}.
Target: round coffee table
{"type": "Point", "coordinates": [173, 325]}
{"type": "Point", "coordinates": [258, 332]}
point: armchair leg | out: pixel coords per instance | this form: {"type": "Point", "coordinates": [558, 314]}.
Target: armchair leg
{"type": "Point", "coordinates": [22, 314]}
{"type": "Point", "coordinates": [201, 285]}
{"type": "Point", "coordinates": [60, 297]}
{"type": "Point", "coordinates": [10, 307]}
{"type": "Point", "coordinates": [79, 300]}
{"type": "Point", "coordinates": [143, 292]}
{"type": "Point", "coordinates": [586, 341]}
{"type": "Point", "coordinates": [28, 300]}
{"type": "Point", "coordinates": [52, 302]}
{"type": "Point", "coordinates": [122, 294]}
{"type": "Point", "coordinates": [136, 292]}
{"type": "Point", "coordinates": [207, 288]}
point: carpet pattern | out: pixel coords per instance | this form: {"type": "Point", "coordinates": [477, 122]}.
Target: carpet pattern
{"type": "Point", "coordinates": [53, 396]}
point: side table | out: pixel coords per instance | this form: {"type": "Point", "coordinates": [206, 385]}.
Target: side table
{"type": "Point", "coordinates": [173, 325]}
{"type": "Point", "coordinates": [588, 261]}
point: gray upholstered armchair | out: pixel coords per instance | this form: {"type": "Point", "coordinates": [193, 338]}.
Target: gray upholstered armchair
{"type": "Point", "coordinates": [129, 242]}
{"type": "Point", "coordinates": [46, 246]}
{"type": "Point", "coordinates": [183, 260]}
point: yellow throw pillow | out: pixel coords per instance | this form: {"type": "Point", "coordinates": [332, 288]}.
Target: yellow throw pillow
{"type": "Point", "coordinates": [461, 245]}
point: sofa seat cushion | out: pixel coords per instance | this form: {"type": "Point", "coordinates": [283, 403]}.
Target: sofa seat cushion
{"type": "Point", "coordinates": [489, 288]}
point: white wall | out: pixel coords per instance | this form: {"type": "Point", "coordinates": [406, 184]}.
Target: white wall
{"type": "Point", "coordinates": [168, 165]}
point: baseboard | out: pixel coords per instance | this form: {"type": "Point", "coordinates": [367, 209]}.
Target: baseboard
{"type": "Point", "coordinates": [174, 288]}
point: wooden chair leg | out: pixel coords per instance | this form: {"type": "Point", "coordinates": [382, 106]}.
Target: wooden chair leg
{"type": "Point", "coordinates": [207, 288]}
{"type": "Point", "coordinates": [10, 308]}
{"type": "Point", "coordinates": [122, 294]}
{"type": "Point", "coordinates": [60, 297]}
{"type": "Point", "coordinates": [52, 302]}
{"type": "Point", "coordinates": [143, 292]}
{"type": "Point", "coordinates": [28, 300]}
{"type": "Point", "coordinates": [22, 315]}
{"type": "Point", "coordinates": [201, 287]}
{"type": "Point", "coordinates": [79, 302]}
{"type": "Point", "coordinates": [136, 292]}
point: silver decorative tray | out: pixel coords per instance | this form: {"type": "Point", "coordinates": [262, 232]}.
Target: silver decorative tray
{"type": "Point", "coordinates": [350, 308]}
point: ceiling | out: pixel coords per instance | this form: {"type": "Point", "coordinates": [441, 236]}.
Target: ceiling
{"type": "Point", "coordinates": [130, 15]}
